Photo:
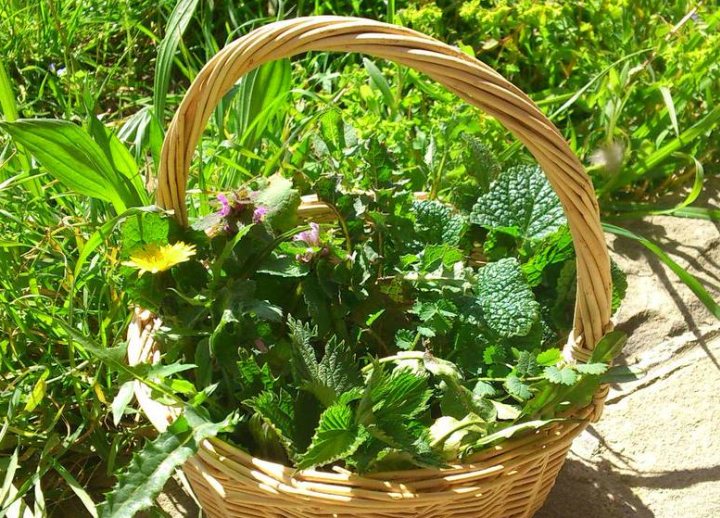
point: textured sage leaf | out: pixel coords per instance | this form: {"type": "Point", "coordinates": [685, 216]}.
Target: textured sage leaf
{"type": "Point", "coordinates": [520, 202]}
{"type": "Point", "coordinates": [506, 300]}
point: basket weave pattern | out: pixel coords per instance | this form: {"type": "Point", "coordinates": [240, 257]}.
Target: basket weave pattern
{"type": "Point", "coordinates": [508, 480]}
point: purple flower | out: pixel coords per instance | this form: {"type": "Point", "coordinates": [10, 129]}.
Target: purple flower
{"type": "Point", "coordinates": [225, 208]}
{"type": "Point", "coordinates": [260, 346]}
{"type": "Point", "coordinates": [311, 237]}
{"type": "Point", "coordinates": [259, 214]}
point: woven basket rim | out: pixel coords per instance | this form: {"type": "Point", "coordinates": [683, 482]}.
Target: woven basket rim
{"type": "Point", "coordinates": [481, 86]}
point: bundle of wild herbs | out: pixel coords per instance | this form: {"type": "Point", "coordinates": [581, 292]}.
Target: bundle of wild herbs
{"type": "Point", "coordinates": [400, 331]}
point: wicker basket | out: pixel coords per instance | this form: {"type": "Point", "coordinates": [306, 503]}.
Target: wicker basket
{"type": "Point", "coordinates": [509, 480]}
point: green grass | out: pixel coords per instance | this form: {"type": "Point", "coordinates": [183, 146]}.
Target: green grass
{"type": "Point", "coordinates": [641, 79]}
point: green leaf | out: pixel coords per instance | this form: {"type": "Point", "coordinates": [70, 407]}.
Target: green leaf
{"type": "Point", "coordinates": [403, 393]}
{"type": "Point", "coordinates": [38, 392]}
{"type": "Point", "coordinates": [177, 23]}
{"type": "Point", "coordinates": [143, 479]}
{"type": "Point", "coordinates": [281, 201]}
{"type": "Point", "coordinates": [527, 364]}
{"type": "Point", "coordinates": [336, 373]}
{"type": "Point", "coordinates": [121, 401]}
{"type": "Point", "coordinates": [517, 388]}
{"type": "Point", "coordinates": [437, 224]}
{"type": "Point", "coordinates": [608, 347]}
{"type": "Point", "coordinates": [510, 431]}
{"type": "Point", "coordinates": [144, 228]}
{"type": "Point", "coordinates": [71, 156]}
{"type": "Point", "coordinates": [549, 357]}
{"type": "Point", "coordinates": [278, 412]}
{"type": "Point", "coordinates": [336, 437]}
{"type": "Point", "coordinates": [520, 202]}
{"type": "Point", "coordinates": [506, 300]}
{"type": "Point", "coordinates": [560, 376]}
{"type": "Point", "coordinates": [591, 368]}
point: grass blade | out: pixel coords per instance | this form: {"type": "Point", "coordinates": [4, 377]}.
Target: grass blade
{"type": "Point", "coordinates": [82, 495]}
{"type": "Point", "coordinates": [667, 97]}
{"type": "Point", "coordinates": [686, 277]}
{"type": "Point", "coordinates": [177, 23]}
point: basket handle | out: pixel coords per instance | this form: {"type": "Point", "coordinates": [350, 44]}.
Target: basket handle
{"type": "Point", "coordinates": [467, 77]}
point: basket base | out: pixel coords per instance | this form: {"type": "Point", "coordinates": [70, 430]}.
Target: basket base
{"type": "Point", "coordinates": [518, 493]}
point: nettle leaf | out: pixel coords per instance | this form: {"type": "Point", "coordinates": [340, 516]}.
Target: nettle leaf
{"type": "Point", "coordinates": [560, 376]}
{"type": "Point", "coordinates": [517, 388]}
{"type": "Point", "coordinates": [507, 302]}
{"type": "Point", "coordinates": [520, 202]}
{"type": "Point", "coordinates": [337, 436]}
{"type": "Point", "coordinates": [278, 412]}
{"type": "Point", "coordinates": [336, 373]}
{"type": "Point", "coordinates": [404, 393]}
{"type": "Point", "coordinates": [148, 471]}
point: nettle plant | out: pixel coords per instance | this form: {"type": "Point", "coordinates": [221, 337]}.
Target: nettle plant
{"type": "Point", "coordinates": [393, 330]}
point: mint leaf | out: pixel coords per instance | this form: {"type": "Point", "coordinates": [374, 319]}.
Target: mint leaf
{"type": "Point", "coordinates": [506, 300]}
{"type": "Point", "coordinates": [563, 376]}
{"type": "Point", "coordinates": [520, 202]}
{"type": "Point", "coordinates": [336, 437]}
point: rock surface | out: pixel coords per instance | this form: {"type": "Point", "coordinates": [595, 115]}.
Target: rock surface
{"type": "Point", "coordinates": [656, 450]}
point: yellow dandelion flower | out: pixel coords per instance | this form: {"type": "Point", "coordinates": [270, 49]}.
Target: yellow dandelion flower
{"type": "Point", "coordinates": [154, 258]}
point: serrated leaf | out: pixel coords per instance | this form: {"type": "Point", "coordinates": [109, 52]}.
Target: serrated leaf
{"type": "Point", "coordinates": [619, 285]}
{"type": "Point", "coordinates": [402, 394]}
{"type": "Point", "coordinates": [336, 373]}
{"type": "Point", "coordinates": [148, 471]}
{"type": "Point", "coordinates": [517, 388]}
{"type": "Point", "coordinates": [549, 357]}
{"type": "Point", "coordinates": [520, 202]}
{"type": "Point", "coordinates": [277, 411]}
{"type": "Point", "coordinates": [337, 437]}
{"type": "Point", "coordinates": [494, 354]}
{"type": "Point", "coordinates": [507, 302]}
{"type": "Point", "coordinates": [560, 376]}
{"type": "Point", "coordinates": [591, 368]}
{"type": "Point", "coordinates": [527, 364]}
